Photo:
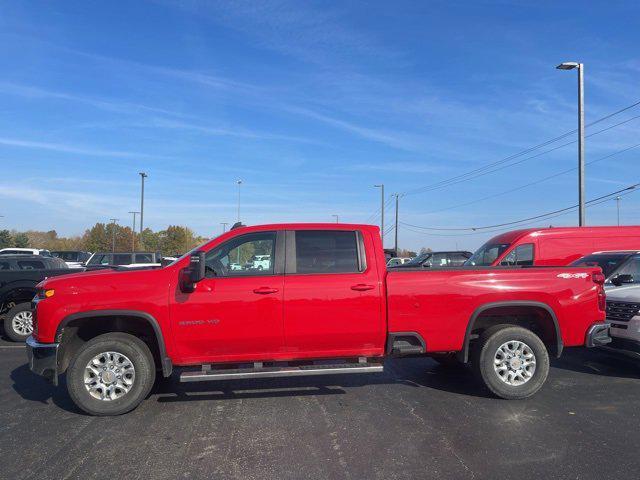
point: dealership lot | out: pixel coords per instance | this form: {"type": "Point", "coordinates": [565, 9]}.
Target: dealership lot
{"type": "Point", "coordinates": [415, 420]}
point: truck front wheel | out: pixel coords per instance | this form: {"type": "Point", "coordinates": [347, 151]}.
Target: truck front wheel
{"type": "Point", "coordinates": [111, 374]}
{"type": "Point", "coordinates": [511, 361]}
{"type": "Point", "coordinates": [18, 322]}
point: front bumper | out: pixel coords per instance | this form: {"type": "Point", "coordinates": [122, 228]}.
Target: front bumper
{"type": "Point", "coordinates": [43, 359]}
{"type": "Point", "coordinates": [598, 335]}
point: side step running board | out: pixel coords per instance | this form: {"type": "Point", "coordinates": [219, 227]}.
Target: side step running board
{"type": "Point", "coordinates": [259, 371]}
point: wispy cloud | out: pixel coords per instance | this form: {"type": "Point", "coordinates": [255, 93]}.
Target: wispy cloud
{"type": "Point", "coordinates": [64, 148]}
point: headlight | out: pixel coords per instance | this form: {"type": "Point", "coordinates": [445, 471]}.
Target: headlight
{"type": "Point", "coordinates": [46, 293]}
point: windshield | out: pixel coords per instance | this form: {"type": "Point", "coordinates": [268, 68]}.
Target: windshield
{"type": "Point", "coordinates": [419, 260]}
{"type": "Point", "coordinates": [487, 254]}
{"type": "Point", "coordinates": [608, 262]}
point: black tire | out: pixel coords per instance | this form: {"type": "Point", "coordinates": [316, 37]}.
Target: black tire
{"type": "Point", "coordinates": [447, 360]}
{"type": "Point", "coordinates": [23, 309]}
{"type": "Point", "coordinates": [487, 349]}
{"type": "Point", "coordinates": [139, 355]}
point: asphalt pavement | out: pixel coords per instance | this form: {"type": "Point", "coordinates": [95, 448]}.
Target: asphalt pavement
{"type": "Point", "coordinates": [416, 420]}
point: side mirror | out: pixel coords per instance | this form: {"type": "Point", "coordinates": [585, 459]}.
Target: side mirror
{"type": "Point", "coordinates": [622, 278]}
{"type": "Point", "coordinates": [193, 273]}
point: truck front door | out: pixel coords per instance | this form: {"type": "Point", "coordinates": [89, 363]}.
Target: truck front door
{"type": "Point", "coordinates": [235, 313]}
{"type": "Point", "coordinates": [332, 297]}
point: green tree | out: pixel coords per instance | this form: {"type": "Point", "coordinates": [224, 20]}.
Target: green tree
{"type": "Point", "coordinates": [20, 240]}
{"type": "Point", "coordinates": [96, 239]}
{"type": "Point", "coordinates": [6, 240]}
{"type": "Point", "coordinates": [148, 241]}
{"type": "Point", "coordinates": [176, 240]}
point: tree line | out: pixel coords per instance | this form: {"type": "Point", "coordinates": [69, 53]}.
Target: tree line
{"type": "Point", "coordinates": [174, 240]}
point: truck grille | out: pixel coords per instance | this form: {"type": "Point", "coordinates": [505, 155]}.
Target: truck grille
{"type": "Point", "coordinates": [622, 311]}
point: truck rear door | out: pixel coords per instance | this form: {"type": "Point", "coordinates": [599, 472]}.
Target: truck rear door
{"type": "Point", "coordinates": [332, 295]}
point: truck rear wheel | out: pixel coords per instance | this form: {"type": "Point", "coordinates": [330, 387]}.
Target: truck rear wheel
{"type": "Point", "coordinates": [18, 322]}
{"type": "Point", "coordinates": [511, 361]}
{"type": "Point", "coordinates": [111, 374]}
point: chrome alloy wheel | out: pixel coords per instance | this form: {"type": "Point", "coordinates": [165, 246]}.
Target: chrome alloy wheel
{"type": "Point", "coordinates": [109, 376]}
{"type": "Point", "coordinates": [22, 323]}
{"type": "Point", "coordinates": [514, 363]}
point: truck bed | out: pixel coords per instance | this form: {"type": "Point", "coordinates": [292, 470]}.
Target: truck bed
{"type": "Point", "coordinates": [439, 304]}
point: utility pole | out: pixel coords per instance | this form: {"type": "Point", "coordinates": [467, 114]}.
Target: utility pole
{"type": "Point", "coordinates": [396, 239]}
{"type": "Point", "coordinates": [239, 182]}
{"type": "Point", "coordinates": [113, 236]}
{"type": "Point", "coordinates": [224, 226]}
{"type": "Point", "coordinates": [618, 208]}
{"type": "Point", "coordinates": [133, 232]}
{"type": "Point", "coordinates": [337, 218]}
{"type": "Point", "coordinates": [142, 177]}
{"type": "Point", "coordinates": [381, 187]}
{"type": "Point", "coordinates": [581, 162]}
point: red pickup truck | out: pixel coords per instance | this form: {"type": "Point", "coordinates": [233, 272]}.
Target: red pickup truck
{"type": "Point", "coordinates": [304, 299]}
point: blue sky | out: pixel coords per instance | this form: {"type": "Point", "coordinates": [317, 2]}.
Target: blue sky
{"type": "Point", "coordinates": [310, 104]}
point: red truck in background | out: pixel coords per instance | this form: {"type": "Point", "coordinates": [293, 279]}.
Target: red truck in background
{"type": "Point", "coordinates": [322, 302]}
{"type": "Point", "coordinates": [553, 246]}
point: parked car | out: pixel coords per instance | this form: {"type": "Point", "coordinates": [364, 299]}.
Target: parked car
{"type": "Point", "coordinates": [554, 246]}
{"type": "Point", "coordinates": [396, 261]}
{"type": "Point", "coordinates": [326, 305]}
{"type": "Point", "coordinates": [25, 251]}
{"type": "Point", "coordinates": [623, 312]}
{"type": "Point", "coordinates": [261, 262]}
{"type": "Point", "coordinates": [125, 259]}
{"type": "Point", "coordinates": [437, 259]}
{"type": "Point", "coordinates": [19, 275]}
{"type": "Point", "coordinates": [619, 268]}
{"type": "Point", "coordinates": [73, 258]}
{"type": "Point", "coordinates": [30, 262]}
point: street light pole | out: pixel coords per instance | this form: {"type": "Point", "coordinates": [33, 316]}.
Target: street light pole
{"type": "Point", "coordinates": [133, 232]}
{"type": "Point", "coordinates": [396, 235]}
{"type": "Point", "coordinates": [113, 235]}
{"type": "Point", "coordinates": [618, 209]}
{"type": "Point", "coordinates": [142, 177]}
{"type": "Point", "coordinates": [337, 218]}
{"type": "Point", "coordinates": [239, 182]}
{"type": "Point", "coordinates": [381, 187]}
{"type": "Point", "coordinates": [581, 161]}
{"type": "Point", "coordinates": [224, 226]}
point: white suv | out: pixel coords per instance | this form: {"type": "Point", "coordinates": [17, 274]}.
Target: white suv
{"type": "Point", "coordinates": [25, 251]}
{"type": "Point", "coordinates": [623, 312]}
{"type": "Point", "coordinates": [261, 262]}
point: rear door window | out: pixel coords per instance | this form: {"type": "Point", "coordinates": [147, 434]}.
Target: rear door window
{"type": "Point", "coordinates": [144, 258]}
{"type": "Point", "coordinates": [457, 259]}
{"type": "Point", "coordinates": [440, 260]}
{"type": "Point", "coordinates": [30, 265]}
{"type": "Point", "coordinates": [121, 259]}
{"type": "Point", "coordinates": [321, 251]}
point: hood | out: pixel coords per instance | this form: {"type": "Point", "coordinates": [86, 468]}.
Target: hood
{"type": "Point", "coordinates": [89, 277]}
{"type": "Point", "coordinates": [630, 293]}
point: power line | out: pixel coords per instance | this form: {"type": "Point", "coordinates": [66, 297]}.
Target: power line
{"type": "Point", "coordinates": [378, 212]}
{"type": "Point", "coordinates": [532, 183]}
{"type": "Point", "coordinates": [481, 170]}
{"type": "Point", "coordinates": [483, 232]}
{"type": "Point", "coordinates": [480, 173]}
{"type": "Point", "coordinates": [536, 217]}
{"type": "Point", "coordinates": [531, 149]}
